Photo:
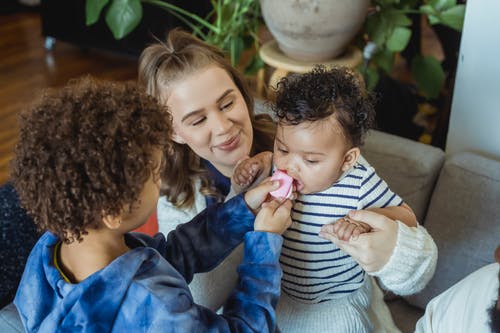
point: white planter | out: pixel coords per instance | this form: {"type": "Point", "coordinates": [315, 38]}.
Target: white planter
{"type": "Point", "coordinates": [314, 30]}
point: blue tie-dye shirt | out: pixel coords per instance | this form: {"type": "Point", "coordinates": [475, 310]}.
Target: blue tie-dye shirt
{"type": "Point", "coordinates": [145, 290]}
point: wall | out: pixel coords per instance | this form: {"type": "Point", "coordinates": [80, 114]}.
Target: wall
{"type": "Point", "coordinates": [475, 114]}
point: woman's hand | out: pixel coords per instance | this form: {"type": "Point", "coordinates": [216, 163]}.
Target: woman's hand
{"type": "Point", "coordinates": [274, 216]}
{"type": "Point", "coordinates": [371, 250]}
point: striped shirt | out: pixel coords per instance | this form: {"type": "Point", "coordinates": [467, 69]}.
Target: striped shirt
{"type": "Point", "coordinates": [315, 269]}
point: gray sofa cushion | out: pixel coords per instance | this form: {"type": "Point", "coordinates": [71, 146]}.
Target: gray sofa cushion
{"type": "Point", "coordinates": [463, 219]}
{"type": "Point", "coordinates": [10, 322]}
{"type": "Point", "coordinates": [409, 167]}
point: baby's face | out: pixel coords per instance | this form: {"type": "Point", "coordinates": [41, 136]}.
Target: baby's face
{"type": "Point", "coordinates": [311, 152]}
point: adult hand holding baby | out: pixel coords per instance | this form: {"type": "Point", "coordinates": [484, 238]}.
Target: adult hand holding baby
{"type": "Point", "coordinates": [372, 250]}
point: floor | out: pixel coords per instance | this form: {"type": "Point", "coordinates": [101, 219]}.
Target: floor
{"type": "Point", "coordinates": [26, 68]}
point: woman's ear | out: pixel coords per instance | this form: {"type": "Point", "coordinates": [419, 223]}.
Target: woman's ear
{"type": "Point", "coordinates": [177, 138]}
{"type": "Point", "coordinates": [112, 222]}
{"type": "Point", "coordinates": [350, 158]}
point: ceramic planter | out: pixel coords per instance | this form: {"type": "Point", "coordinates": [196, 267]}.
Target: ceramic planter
{"type": "Point", "coordinates": [313, 30]}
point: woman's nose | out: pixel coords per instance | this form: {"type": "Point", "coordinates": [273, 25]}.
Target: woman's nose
{"type": "Point", "coordinates": [221, 123]}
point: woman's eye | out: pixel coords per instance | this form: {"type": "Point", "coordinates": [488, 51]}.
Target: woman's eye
{"type": "Point", "coordinates": [283, 151]}
{"type": "Point", "coordinates": [198, 121]}
{"type": "Point", "coordinates": [227, 105]}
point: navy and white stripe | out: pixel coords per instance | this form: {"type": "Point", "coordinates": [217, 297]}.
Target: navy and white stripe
{"type": "Point", "coordinates": [314, 269]}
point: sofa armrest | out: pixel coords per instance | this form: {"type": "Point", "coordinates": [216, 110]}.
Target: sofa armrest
{"type": "Point", "coordinates": [463, 219]}
{"type": "Point", "coordinates": [409, 167]}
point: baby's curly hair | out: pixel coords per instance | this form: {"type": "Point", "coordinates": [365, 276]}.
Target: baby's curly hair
{"type": "Point", "coordinates": [322, 92]}
{"type": "Point", "coordinates": [85, 151]}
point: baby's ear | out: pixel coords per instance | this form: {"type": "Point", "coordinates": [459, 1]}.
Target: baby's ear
{"type": "Point", "coordinates": [350, 158]}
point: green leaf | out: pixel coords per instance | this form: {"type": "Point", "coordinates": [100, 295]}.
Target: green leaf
{"type": "Point", "coordinates": [399, 39]}
{"type": "Point", "coordinates": [443, 4]}
{"type": "Point", "coordinates": [384, 59]}
{"type": "Point", "coordinates": [386, 2]}
{"type": "Point", "coordinates": [123, 16]}
{"type": "Point", "coordinates": [428, 10]}
{"type": "Point", "coordinates": [434, 19]}
{"type": "Point", "coordinates": [236, 47]}
{"type": "Point", "coordinates": [377, 29]}
{"type": "Point", "coordinates": [400, 19]}
{"type": "Point", "coordinates": [454, 17]}
{"type": "Point", "coordinates": [254, 65]}
{"type": "Point", "coordinates": [428, 74]}
{"type": "Point", "coordinates": [93, 10]}
{"type": "Point", "coordinates": [371, 76]}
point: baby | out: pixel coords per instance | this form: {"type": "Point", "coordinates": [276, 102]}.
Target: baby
{"type": "Point", "coordinates": [323, 117]}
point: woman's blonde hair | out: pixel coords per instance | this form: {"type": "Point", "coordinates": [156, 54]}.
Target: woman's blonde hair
{"type": "Point", "coordinates": [162, 64]}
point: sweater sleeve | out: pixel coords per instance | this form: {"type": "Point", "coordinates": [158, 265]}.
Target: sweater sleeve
{"type": "Point", "coordinates": [250, 308]}
{"type": "Point", "coordinates": [202, 243]}
{"type": "Point", "coordinates": [412, 263]}
{"type": "Point", "coordinates": [258, 289]}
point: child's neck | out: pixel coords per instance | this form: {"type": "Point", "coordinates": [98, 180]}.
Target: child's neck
{"type": "Point", "coordinates": [98, 249]}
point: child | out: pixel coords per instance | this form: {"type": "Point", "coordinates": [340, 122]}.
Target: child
{"type": "Point", "coordinates": [323, 117]}
{"type": "Point", "coordinates": [87, 169]}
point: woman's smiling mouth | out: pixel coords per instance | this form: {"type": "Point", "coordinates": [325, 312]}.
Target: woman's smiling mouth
{"type": "Point", "coordinates": [230, 144]}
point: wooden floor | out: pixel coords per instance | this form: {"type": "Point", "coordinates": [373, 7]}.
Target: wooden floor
{"type": "Point", "coordinates": [26, 68]}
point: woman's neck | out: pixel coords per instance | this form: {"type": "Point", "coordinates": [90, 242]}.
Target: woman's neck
{"type": "Point", "coordinates": [98, 249]}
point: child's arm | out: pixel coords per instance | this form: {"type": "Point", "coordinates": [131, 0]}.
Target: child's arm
{"type": "Point", "coordinates": [201, 244]}
{"type": "Point", "coordinates": [401, 213]}
{"type": "Point", "coordinates": [251, 171]}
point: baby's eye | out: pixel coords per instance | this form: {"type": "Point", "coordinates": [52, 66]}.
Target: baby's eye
{"type": "Point", "coordinates": [198, 121]}
{"type": "Point", "coordinates": [311, 161]}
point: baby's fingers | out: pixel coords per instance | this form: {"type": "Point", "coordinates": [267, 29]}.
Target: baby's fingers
{"type": "Point", "coordinates": [356, 232]}
{"type": "Point", "coordinates": [347, 232]}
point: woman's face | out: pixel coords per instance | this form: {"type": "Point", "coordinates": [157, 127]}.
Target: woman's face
{"type": "Point", "coordinates": [210, 116]}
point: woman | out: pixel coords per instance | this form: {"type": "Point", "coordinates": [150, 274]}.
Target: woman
{"type": "Point", "coordinates": [214, 127]}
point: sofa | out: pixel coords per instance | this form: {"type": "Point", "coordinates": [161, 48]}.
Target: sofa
{"type": "Point", "coordinates": [455, 197]}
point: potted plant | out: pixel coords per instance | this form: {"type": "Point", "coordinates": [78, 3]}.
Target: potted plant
{"type": "Point", "coordinates": [387, 30]}
{"type": "Point", "coordinates": [231, 25]}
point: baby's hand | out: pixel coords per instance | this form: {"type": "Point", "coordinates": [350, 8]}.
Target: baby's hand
{"type": "Point", "coordinates": [251, 171]}
{"type": "Point", "coordinates": [346, 228]}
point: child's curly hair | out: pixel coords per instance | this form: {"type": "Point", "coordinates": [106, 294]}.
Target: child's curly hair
{"type": "Point", "coordinates": [85, 151]}
{"type": "Point", "coordinates": [322, 92]}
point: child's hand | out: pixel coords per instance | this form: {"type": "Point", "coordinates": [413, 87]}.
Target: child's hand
{"type": "Point", "coordinates": [251, 170]}
{"type": "Point", "coordinates": [346, 228]}
{"type": "Point", "coordinates": [274, 216]}
{"type": "Point", "coordinates": [259, 194]}
{"type": "Point", "coordinates": [256, 196]}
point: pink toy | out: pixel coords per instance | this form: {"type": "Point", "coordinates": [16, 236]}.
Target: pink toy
{"type": "Point", "coordinates": [286, 182]}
